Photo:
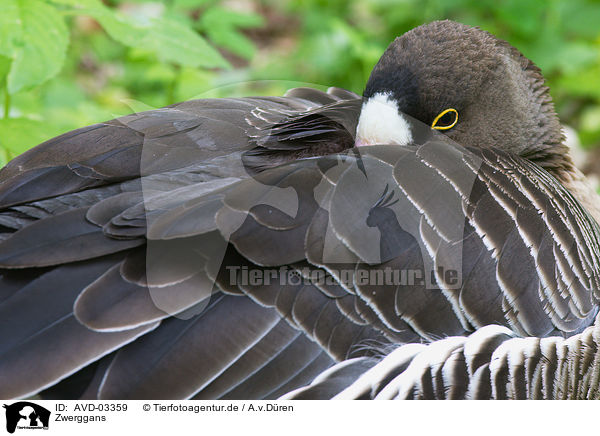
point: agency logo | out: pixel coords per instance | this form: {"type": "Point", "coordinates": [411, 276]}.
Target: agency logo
{"type": "Point", "coordinates": [26, 415]}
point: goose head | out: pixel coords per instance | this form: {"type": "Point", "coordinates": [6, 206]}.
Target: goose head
{"type": "Point", "coordinates": [476, 89]}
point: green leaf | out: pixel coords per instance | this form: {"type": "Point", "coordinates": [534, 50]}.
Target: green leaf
{"type": "Point", "coordinates": [137, 106]}
{"type": "Point", "coordinates": [3, 157]}
{"type": "Point", "coordinates": [580, 18]}
{"type": "Point", "coordinates": [35, 38]}
{"type": "Point", "coordinates": [18, 135]}
{"type": "Point", "coordinates": [583, 84]}
{"type": "Point", "coordinates": [229, 18]}
{"type": "Point", "coordinates": [79, 3]}
{"type": "Point", "coordinates": [4, 67]}
{"type": "Point", "coordinates": [118, 26]}
{"type": "Point", "coordinates": [523, 16]}
{"type": "Point", "coordinates": [190, 4]}
{"type": "Point", "coordinates": [170, 40]}
{"type": "Point", "coordinates": [221, 25]}
{"type": "Point", "coordinates": [577, 56]}
{"type": "Point", "coordinates": [590, 119]}
{"type": "Point", "coordinates": [233, 41]}
{"type": "Point", "coordinates": [177, 43]}
{"type": "Point", "coordinates": [10, 29]}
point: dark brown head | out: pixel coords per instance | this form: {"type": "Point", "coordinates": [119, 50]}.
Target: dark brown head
{"type": "Point", "coordinates": [498, 94]}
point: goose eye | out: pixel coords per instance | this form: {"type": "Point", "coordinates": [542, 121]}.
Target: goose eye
{"type": "Point", "coordinates": [445, 120]}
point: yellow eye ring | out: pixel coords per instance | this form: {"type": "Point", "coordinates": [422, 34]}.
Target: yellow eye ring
{"type": "Point", "coordinates": [442, 113]}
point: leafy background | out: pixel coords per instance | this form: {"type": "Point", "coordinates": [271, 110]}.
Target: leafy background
{"type": "Point", "coordinates": [69, 63]}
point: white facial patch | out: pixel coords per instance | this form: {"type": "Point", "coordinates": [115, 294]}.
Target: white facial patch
{"type": "Point", "coordinates": [381, 123]}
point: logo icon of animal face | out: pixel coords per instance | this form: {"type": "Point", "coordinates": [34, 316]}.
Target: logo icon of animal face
{"type": "Point", "coordinates": [26, 415]}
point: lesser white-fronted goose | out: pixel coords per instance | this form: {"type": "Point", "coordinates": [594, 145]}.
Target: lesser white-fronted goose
{"type": "Point", "coordinates": [239, 248]}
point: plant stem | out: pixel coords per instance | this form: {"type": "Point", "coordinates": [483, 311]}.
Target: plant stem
{"type": "Point", "coordinates": [6, 100]}
{"type": "Point", "coordinates": [173, 85]}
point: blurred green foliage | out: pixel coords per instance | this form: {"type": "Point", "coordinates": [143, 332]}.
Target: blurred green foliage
{"type": "Point", "coordinates": [69, 63]}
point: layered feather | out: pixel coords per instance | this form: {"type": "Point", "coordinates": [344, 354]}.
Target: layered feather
{"type": "Point", "coordinates": [136, 257]}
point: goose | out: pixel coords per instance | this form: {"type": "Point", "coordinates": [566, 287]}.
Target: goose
{"type": "Point", "coordinates": [428, 239]}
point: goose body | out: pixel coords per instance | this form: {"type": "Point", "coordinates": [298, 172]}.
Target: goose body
{"type": "Point", "coordinates": [491, 363]}
{"type": "Point", "coordinates": [244, 248]}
